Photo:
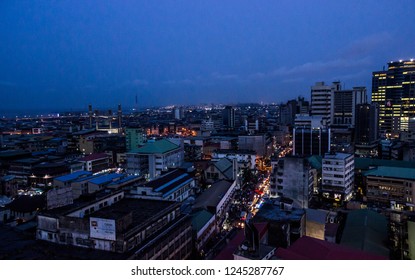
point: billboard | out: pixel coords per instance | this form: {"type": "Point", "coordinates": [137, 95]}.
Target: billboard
{"type": "Point", "coordinates": [102, 228]}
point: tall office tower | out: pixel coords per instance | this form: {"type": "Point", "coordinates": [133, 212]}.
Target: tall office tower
{"type": "Point", "coordinates": [394, 90]}
{"type": "Point", "coordinates": [322, 99]}
{"type": "Point", "coordinates": [366, 129]}
{"type": "Point", "coordinates": [344, 105]}
{"type": "Point", "coordinates": [228, 117]}
{"type": "Point", "coordinates": [311, 141]}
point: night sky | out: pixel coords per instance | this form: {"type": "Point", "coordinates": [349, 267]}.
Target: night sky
{"type": "Point", "coordinates": [68, 54]}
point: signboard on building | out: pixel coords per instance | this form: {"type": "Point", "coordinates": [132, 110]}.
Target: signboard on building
{"type": "Point", "coordinates": [102, 228]}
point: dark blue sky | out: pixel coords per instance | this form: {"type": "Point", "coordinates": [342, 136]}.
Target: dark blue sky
{"type": "Point", "coordinates": [67, 54]}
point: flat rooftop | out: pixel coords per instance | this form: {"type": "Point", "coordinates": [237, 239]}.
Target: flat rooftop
{"type": "Point", "coordinates": [142, 210]}
{"type": "Point", "coordinates": [337, 156]}
{"type": "Point", "coordinates": [270, 212]}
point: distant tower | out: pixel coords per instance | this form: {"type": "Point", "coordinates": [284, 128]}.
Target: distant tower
{"type": "Point", "coordinates": [96, 119]}
{"type": "Point", "coordinates": [228, 117]}
{"type": "Point", "coordinates": [90, 115]}
{"type": "Point", "coordinates": [119, 118]}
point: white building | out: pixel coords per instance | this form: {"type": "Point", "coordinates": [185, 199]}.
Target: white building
{"type": "Point", "coordinates": [154, 157]}
{"type": "Point", "coordinates": [338, 176]}
{"type": "Point", "coordinates": [322, 100]}
{"type": "Point", "coordinates": [245, 158]}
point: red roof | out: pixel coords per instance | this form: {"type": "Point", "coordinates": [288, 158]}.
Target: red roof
{"type": "Point", "coordinates": [227, 252]}
{"type": "Point", "coordinates": [94, 157]}
{"type": "Point", "coordinates": [308, 248]}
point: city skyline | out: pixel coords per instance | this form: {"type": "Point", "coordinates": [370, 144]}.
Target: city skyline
{"type": "Point", "coordinates": [63, 56]}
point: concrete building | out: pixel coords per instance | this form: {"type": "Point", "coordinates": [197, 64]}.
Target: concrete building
{"type": "Point", "coordinates": [261, 144]}
{"type": "Point", "coordinates": [96, 162]}
{"type": "Point", "coordinates": [322, 100]}
{"type": "Point", "coordinates": [134, 138]}
{"type": "Point", "coordinates": [338, 177]}
{"type": "Point", "coordinates": [292, 177]}
{"type": "Point", "coordinates": [393, 187]}
{"type": "Point", "coordinates": [154, 158]}
{"type": "Point", "coordinates": [204, 227]}
{"type": "Point", "coordinates": [245, 158]}
{"type": "Point", "coordinates": [285, 226]}
{"type": "Point", "coordinates": [175, 185]}
{"type": "Point", "coordinates": [138, 229]}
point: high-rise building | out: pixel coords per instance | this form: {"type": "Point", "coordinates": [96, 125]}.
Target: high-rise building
{"type": "Point", "coordinates": [311, 141]}
{"type": "Point", "coordinates": [394, 90]}
{"type": "Point", "coordinates": [322, 100]}
{"type": "Point", "coordinates": [344, 105]}
{"type": "Point", "coordinates": [366, 129]}
{"type": "Point", "coordinates": [288, 111]}
{"type": "Point", "coordinates": [228, 117]}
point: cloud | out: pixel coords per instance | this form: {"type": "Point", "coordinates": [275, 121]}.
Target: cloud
{"type": "Point", "coordinates": [312, 67]}
{"type": "Point", "coordinates": [292, 80]}
{"type": "Point", "coordinates": [218, 76]}
{"type": "Point", "coordinates": [360, 74]}
{"type": "Point", "coordinates": [366, 45]}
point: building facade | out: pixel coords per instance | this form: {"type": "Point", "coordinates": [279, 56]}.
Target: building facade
{"type": "Point", "coordinates": [338, 177]}
{"type": "Point", "coordinates": [154, 158]}
{"type": "Point", "coordinates": [140, 229]}
{"type": "Point", "coordinates": [292, 178]}
{"type": "Point", "coordinates": [394, 90]}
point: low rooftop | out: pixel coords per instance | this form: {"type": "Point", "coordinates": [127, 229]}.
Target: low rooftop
{"type": "Point", "coordinates": [156, 147]}
{"type": "Point", "coordinates": [392, 172]}
{"type": "Point", "coordinates": [169, 182]}
{"type": "Point", "coordinates": [73, 176]}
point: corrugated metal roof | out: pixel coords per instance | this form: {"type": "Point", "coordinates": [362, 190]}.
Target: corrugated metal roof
{"type": "Point", "coordinates": [392, 172]}
{"type": "Point", "coordinates": [366, 230]}
{"type": "Point", "coordinates": [105, 178]}
{"type": "Point", "coordinates": [73, 176]}
{"type": "Point", "coordinates": [200, 218]}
